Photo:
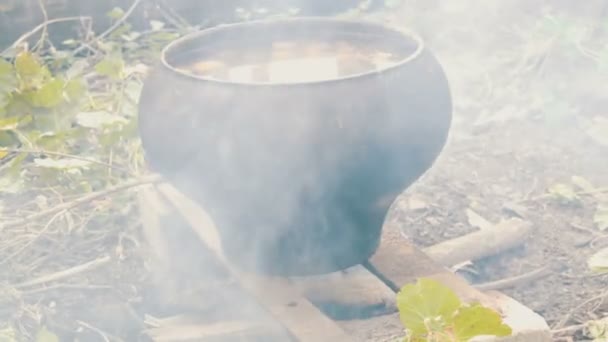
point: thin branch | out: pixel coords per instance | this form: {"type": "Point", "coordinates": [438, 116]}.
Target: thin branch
{"type": "Point", "coordinates": [65, 273]}
{"type": "Point", "coordinates": [111, 28]}
{"type": "Point", "coordinates": [101, 333]}
{"type": "Point", "coordinates": [65, 155]}
{"type": "Point", "coordinates": [34, 238]}
{"type": "Point", "coordinates": [567, 317]}
{"type": "Point", "coordinates": [35, 30]}
{"type": "Point", "coordinates": [45, 32]}
{"type": "Point", "coordinates": [516, 280]}
{"type": "Point", "coordinates": [83, 200]}
{"type": "Point", "coordinates": [569, 330]}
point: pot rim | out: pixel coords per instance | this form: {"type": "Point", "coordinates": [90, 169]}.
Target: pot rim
{"type": "Point", "coordinates": [404, 32]}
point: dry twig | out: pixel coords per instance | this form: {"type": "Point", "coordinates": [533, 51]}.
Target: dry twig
{"type": "Point", "coordinates": [110, 29]}
{"type": "Point", "coordinates": [83, 200]}
{"type": "Point", "coordinates": [42, 26]}
{"type": "Point", "coordinates": [516, 280]}
{"type": "Point", "coordinates": [65, 273]}
{"type": "Point", "coordinates": [567, 317]}
{"type": "Point", "coordinates": [65, 155]}
{"type": "Point", "coordinates": [569, 330]}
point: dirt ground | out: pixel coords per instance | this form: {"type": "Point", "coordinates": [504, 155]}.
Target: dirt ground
{"type": "Point", "coordinates": [522, 103]}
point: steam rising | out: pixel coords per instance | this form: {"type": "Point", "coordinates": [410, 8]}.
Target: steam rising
{"type": "Point", "coordinates": [438, 23]}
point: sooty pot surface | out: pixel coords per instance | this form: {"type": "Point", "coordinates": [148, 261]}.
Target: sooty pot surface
{"type": "Point", "coordinates": [297, 174]}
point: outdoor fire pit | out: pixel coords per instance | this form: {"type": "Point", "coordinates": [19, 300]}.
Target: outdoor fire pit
{"type": "Point", "coordinates": [296, 135]}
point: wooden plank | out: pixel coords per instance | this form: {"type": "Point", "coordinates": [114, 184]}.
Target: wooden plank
{"type": "Point", "coordinates": [527, 325]}
{"type": "Point", "coordinates": [191, 328]}
{"type": "Point", "coordinates": [400, 263]}
{"type": "Point", "coordinates": [354, 293]}
{"type": "Point", "coordinates": [289, 307]}
{"type": "Point", "coordinates": [480, 244]}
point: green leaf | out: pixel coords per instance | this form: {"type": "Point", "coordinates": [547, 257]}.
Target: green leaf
{"type": "Point", "coordinates": [8, 80]}
{"type": "Point", "coordinates": [582, 183]}
{"type": "Point", "coordinates": [120, 31]}
{"type": "Point", "coordinates": [116, 13]}
{"type": "Point", "coordinates": [77, 69]}
{"type": "Point", "coordinates": [426, 304]}
{"type": "Point", "coordinates": [98, 119]}
{"type": "Point", "coordinates": [8, 139]}
{"type": "Point", "coordinates": [50, 95]}
{"type": "Point", "coordinates": [8, 334]}
{"type": "Point", "coordinates": [131, 36]}
{"type": "Point", "coordinates": [563, 193]}
{"type": "Point", "coordinates": [598, 262]}
{"type": "Point", "coordinates": [45, 335]}
{"type": "Point", "coordinates": [50, 140]}
{"type": "Point", "coordinates": [27, 65]}
{"type": "Point", "coordinates": [111, 66]}
{"type": "Point", "coordinates": [156, 25]}
{"type": "Point", "coordinates": [75, 89]}
{"type": "Point", "coordinates": [597, 330]}
{"type": "Point", "coordinates": [11, 186]}
{"type": "Point", "coordinates": [163, 36]}
{"type": "Point", "coordinates": [133, 90]}
{"type": "Point", "coordinates": [70, 42]}
{"type": "Point", "coordinates": [600, 218]}
{"type": "Point", "coordinates": [7, 124]}
{"type": "Point", "coordinates": [476, 320]}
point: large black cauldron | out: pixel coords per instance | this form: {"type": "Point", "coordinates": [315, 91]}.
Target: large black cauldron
{"type": "Point", "coordinates": [297, 176]}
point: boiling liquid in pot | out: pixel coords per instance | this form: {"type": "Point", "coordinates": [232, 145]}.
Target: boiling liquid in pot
{"type": "Point", "coordinates": [291, 61]}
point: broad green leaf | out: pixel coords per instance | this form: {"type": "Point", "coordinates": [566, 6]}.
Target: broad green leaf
{"type": "Point", "coordinates": [598, 262]}
{"type": "Point", "coordinates": [428, 303]}
{"type": "Point", "coordinates": [45, 335]}
{"type": "Point", "coordinates": [50, 95]}
{"type": "Point", "coordinates": [120, 31]}
{"type": "Point", "coordinates": [8, 83]}
{"type": "Point", "coordinates": [61, 164]}
{"type": "Point", "coordinates": [156, 25]}
{"type": "Point", "coordinates": [133, 90]}
{"type": "Point", "coordinates": [27, 65]}
{"type": "Point", "coordinates": [8, 334]}
{"type": "Point", "coordinates": [77, 69]}
{"type": "Point", "coordinates": [50, 140]}
{"type": "Point", "coordinates": [131, 36]}
{"type": "Point", "coordinates": [163, 36]}
{"type": "Point", "coordinates": [6, 68]}
{"type": "Point", "coordinates": [597, 330]}
{"type": "Point", "coordinates": [8, 80]}
{"type": "Point", "coordinates": [9, 185]}
{"type": "Point", "coordinates": [98, 119]}
{"type": "Point", "coordinates": [116, 13]}
{"type": "Point", "coordinates": [8, 139]}
{"type": "Point", "coordinates": [9, 123]}
{"type": "Point", "coordinates": [476, 320]}
{"type": "Point", "coordinates": [70, 42]}
{"type": "Point", "coordinates": [582, 183]}
{"type": "Point", "coordinates": [75, 89]}
{"type": "Point", "coordinates": [14, 170]}
{"type": "Point", "coordinates": [600, 218]}
{"type": "Point", "coordinates": [111, 67]}
{"type": "Point", "coordinates": [563, 193]}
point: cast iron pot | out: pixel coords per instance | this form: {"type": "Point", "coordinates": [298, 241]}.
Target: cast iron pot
{"type": "Point", "coordinates": [298, 176]}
